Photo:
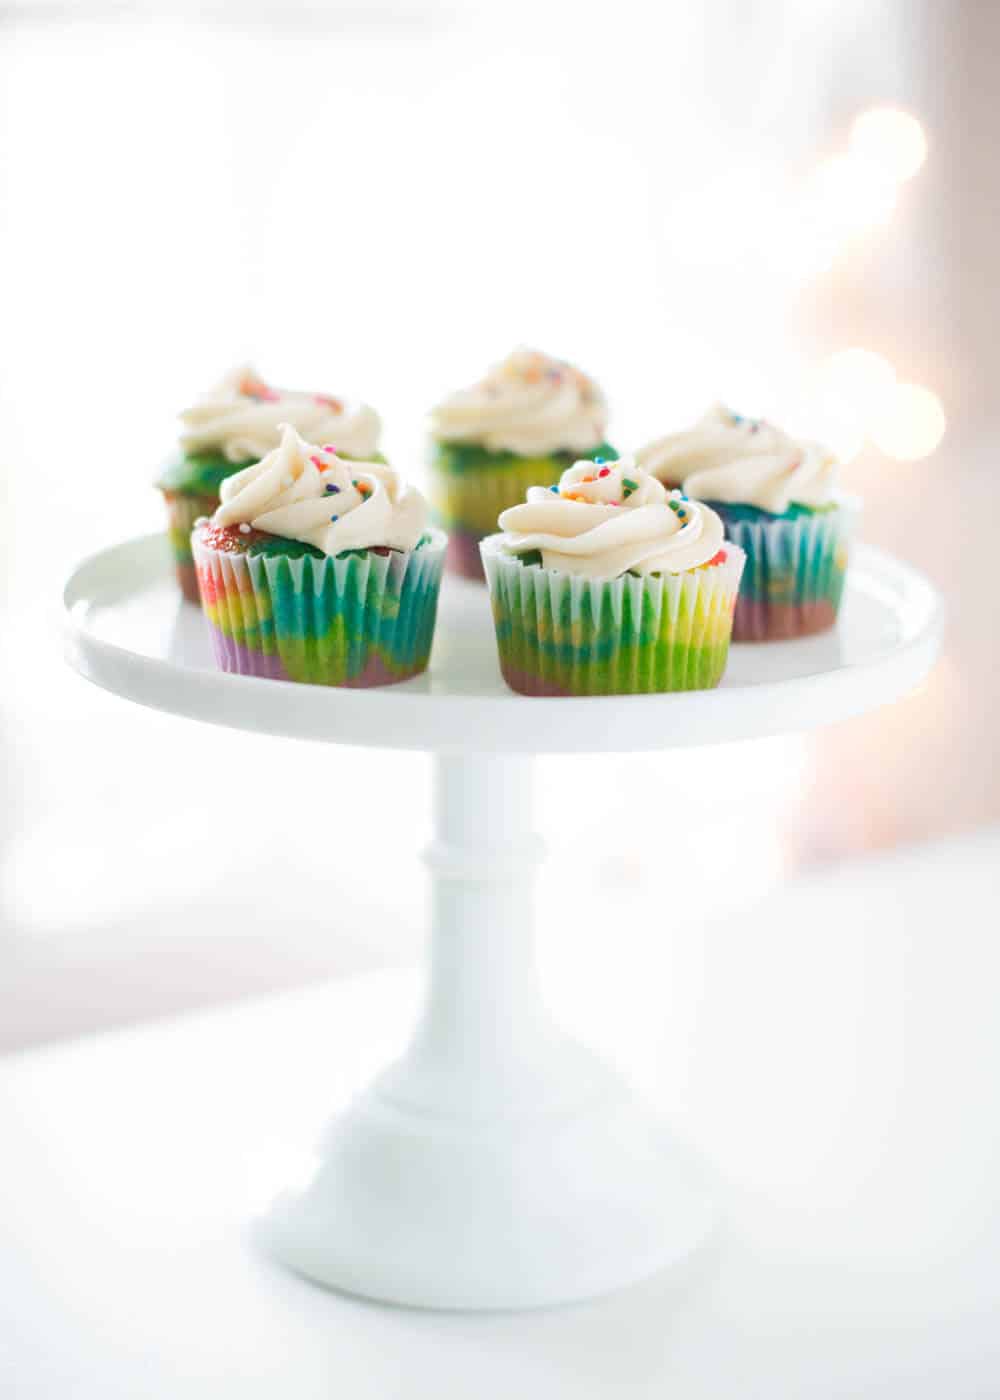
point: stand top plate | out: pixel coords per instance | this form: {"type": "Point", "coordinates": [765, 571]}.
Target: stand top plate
{"type": "Point", "coordinates": [129, 631]}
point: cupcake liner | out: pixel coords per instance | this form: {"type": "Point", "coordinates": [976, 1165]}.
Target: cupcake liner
{"type": "Point", "coordinates": [794, 576]}
{"type": "Point", "coordinates": [560, 634]}
{"type": "Point", "coordinates": [183, 509]}
{"type": "Point", "coordinates": [467, 503]}
{"type": "Point", "coordinates": [360, 620]}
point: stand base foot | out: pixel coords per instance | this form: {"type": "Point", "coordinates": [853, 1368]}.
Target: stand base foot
{"type": "Point", "coordinates": [442, 1211]}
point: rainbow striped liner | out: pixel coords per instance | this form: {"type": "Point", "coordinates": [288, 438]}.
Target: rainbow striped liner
{"type": "Point", "coordinates": [560, 634]}
{"type": "Point", "coordinates": [467, 500]}
{"type": "Point", "coordinates": [183, 509]}
{"type": "Point", "coordinates": [796, 564]}
{"type": "Point", "coordinates": [361, 619]}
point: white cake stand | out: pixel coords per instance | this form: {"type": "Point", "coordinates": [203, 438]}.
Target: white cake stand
{"type": "Point", "coordinates": [498, 1164]}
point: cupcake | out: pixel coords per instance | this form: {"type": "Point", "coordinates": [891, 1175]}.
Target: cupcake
{"type": "Point", "coordinates": [319, 568]}
{"type": "Point", "coordinates": [237, 424]}
{"type": "Point", "coordinates": [779, 501]}
{"type": "Point", "coordinates": [523, 425]}
{"type": "Point", "coordinates": [608, 584]}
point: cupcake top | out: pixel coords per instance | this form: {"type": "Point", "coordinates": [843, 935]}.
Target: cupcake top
{"type": "Point", "coordinates": [529, 404]}
{"type": "Point", "coordinates": [610, 518]}
{"type": "Point", "coordinates": [241, 420]}
{"type": "Point", "coordinates": [743, 461]}
{"type": "Point", "coordinates": [312, 495]}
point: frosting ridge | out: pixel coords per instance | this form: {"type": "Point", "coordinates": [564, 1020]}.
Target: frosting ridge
{"type": "Point", "coordinates": [607, 519]}
{"type": "Point", "coordinates": [242, 417]}
{"type": "Point", "coordinates": [743, 461]}
{"type": "Point", "coordinates": [529, 404]}
{"type": "Point", "coordinates": [311, 494]}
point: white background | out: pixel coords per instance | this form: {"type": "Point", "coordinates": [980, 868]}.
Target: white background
{"type": "Point", "coordinates": [381, 199]}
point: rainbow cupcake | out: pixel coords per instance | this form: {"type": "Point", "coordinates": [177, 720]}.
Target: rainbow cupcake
{"type": "Point", "coordinates": [523, 424]}
{"type": "Point", "coordinates": [235, 425]}
{"type": "Point", "coordinates": [320, 569]}
{"type": "Point", "coordinates": [608, 584]}
{"type": "Point", "coordinates": [778, 501]}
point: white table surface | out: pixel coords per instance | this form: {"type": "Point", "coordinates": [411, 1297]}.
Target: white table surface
{"type": "Point", "coordinates": [835, 1052]}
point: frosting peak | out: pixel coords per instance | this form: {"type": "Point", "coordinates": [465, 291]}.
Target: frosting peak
{"type": "Point", "coordinates": [744, 461]}
{"type": "Point", "coordinates": [311, 494]}
{"type": "Point", "coordinates": [607, 519]}
{"type": "Point", "coordinates": [529, 404]}
{"type": "Point", "coordinates": [242, 418]}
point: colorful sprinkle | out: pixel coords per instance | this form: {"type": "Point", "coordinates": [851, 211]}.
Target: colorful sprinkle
{"type": "Point", "coordinates": [605, 471]}
{"type": "Point", "coordinates": [599, 462]}
{"type": "Point", "coordinates": [334, 519]}
{"type": "Point", "coordinates": [555, 489]}
{"type": "Point", "coordinates": [331, 489]}
{"type": "Point", "coordinates": [252, 387]}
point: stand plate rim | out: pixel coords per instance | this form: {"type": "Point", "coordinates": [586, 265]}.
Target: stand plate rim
{"type": "Point", "coordinates": [128, 632]}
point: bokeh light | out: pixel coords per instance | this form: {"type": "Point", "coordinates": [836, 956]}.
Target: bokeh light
{"type": "Point", "coordinates": [889, 140]}
{"type": "Point", "coordinates": [911, 425]}
{"type": "Point", "coordinates": [861, 378]}
{"type": "Point", "coordinates": [854, 395]}
{"type": "Point", "coordinates": [845, 197]}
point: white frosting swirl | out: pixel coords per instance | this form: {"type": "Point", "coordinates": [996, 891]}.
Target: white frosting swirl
{"type": "Point", "coordinates": [606, 520]}
{"type": "Point", "coordinates": [310, 494]}
{"type": "Point", "coordinates": [529, 404]}
{"type": "Point", "coordinates": [743, 461]}
{"type": "Point", "coordinates": [242, 418]}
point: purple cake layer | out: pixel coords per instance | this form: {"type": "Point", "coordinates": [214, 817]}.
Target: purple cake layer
{"type": "Point", "coordinates": [758, 620]}
{"type": "Point", "coordinates": [527, 684]}
{"type": "Point", "coordinates": [242, 660]}
{"type": "Point", "coordinates": [463, 557]}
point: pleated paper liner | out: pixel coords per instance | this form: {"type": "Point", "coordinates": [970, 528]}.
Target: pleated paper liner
{"type": "Point", "coordinates": [560, 634]}
{"type": "Point", "coordinates": [794, 577]}
{"type": "Point", "coordinates": [361, 620]}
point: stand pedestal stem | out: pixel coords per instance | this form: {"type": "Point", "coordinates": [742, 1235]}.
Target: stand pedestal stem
{"type": "Point", "coordinates": [498, 1163]}
{"type": "Point", "coordinates": [484, 1024]}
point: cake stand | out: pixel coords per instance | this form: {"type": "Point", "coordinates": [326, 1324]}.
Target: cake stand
{"type": "Point", "coordinates": [498, 1163]}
